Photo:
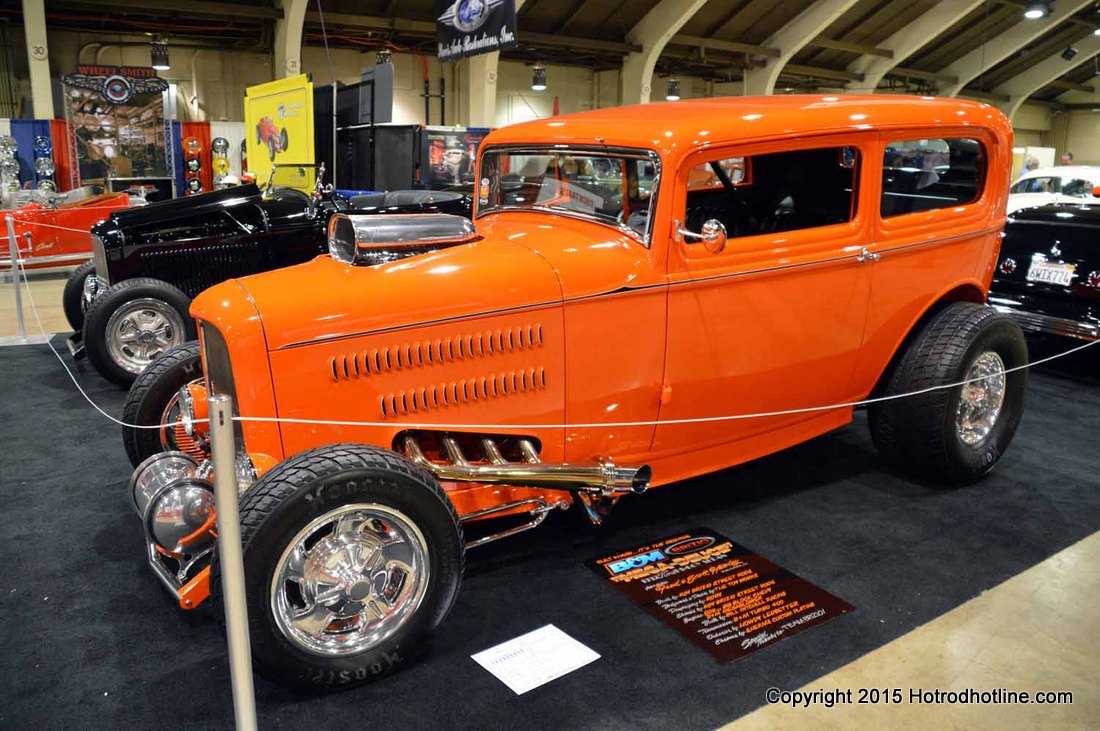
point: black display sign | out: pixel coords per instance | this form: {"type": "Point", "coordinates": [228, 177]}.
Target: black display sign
{"type": "Point", "coordinates": [469, 27]}
{"type": "Point", "coordinates": [720, 595]}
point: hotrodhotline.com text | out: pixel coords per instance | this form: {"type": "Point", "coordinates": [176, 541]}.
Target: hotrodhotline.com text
{"type": "Point", "coordinates": [913, 696]}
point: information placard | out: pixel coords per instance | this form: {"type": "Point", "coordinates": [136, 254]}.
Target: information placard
{"type": "Point", "coordinates": [718, 594]}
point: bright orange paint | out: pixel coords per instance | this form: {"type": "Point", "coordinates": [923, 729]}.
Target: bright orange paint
{"type": "Point", "coordinates": [553, 320]}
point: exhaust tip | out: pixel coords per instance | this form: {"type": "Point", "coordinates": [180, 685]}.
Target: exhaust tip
{"type": "Point", "coordinates": [640, 483]}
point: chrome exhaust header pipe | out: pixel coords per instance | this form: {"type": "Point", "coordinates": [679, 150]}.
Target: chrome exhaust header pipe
{"type": "Point", "coordinates": [601, 479]}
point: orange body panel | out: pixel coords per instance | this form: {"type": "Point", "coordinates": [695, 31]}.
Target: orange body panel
{"type": "Point", "coordinates": [550, 324]}
{"type": "Point", "coordinates": [61, 235]}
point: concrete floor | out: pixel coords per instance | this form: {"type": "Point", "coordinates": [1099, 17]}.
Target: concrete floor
{"type": "Point", "coordinates": [1038, 631]}
{"type": "Point", "coordinates": [45, 292]}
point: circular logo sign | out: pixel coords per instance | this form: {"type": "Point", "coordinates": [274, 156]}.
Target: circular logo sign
{"type": "Point", "coordinates": [117, 89]}
{"type": "Point", "coordinates": [470, 14]}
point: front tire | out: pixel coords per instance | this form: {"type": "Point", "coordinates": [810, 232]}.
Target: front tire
{"type": "Point", "coordinates": [954, 435]}
{"type": "Point", "coordinates": [154, 400]}
{"type": "Point", "coordinates": [72, 296]}
{"type": "Point", "coordinates": [133, 323]}
{"type": "Point", "coordinates": [352, 557]}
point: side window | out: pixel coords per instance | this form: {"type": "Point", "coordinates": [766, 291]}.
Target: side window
{"type": "Point", "coordinates": [1078, 188]}
{"type": "Point", "coordinates": [923, 175]}
{"type": "Point", "coordinates": [782, 191]}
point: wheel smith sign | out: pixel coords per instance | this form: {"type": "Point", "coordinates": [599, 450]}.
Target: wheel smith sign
{"type": "Point", "coordinates": [469, 27]}
{"type": "Point", "coordinates": [721, 596]}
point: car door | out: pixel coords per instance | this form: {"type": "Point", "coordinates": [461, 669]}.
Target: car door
{"type": "Point", "coordinates": [774, 321]}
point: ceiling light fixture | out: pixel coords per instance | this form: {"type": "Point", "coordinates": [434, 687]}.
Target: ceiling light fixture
{"type": "Point", "coordinates": [538, 78]}
{"type": "Point", "coordinates": [1038, 9]}
{"type": "Point", "coordinates": [673, 94]}
{"type": "Point", "coordinates": [158, 52]}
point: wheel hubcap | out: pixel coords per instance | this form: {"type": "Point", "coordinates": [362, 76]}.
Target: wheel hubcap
{"type": "Point", "coordinates": [981, 399]}
{"type": "Point", "coordinates": [350, 579]}
{"type": "Point", "coordinates": [142, 330]}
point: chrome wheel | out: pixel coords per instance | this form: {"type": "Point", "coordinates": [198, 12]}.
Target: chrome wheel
{"type": "Point", "coordinates": [178, 437]}
{"type": "Point", "coordinates": [92, 288]}
{"type": "Point", "coordinates": [981, 401]}
{"type": "Point", "coordinates": [141, 330]}
{"type": "Point", "coordinates": [350, 579]}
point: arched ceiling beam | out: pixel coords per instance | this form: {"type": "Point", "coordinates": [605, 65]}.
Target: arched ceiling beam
{"type": "Point", "coordinates": [1050, 69]}
{"type": "Point", "coordinates": [790, 39]}
{"type": "Point", "coordinates": [288, 37]}
{"type": "Point", "coordinates": [911, 39]}
{"type": "Point", "coordinates": [988, 55]}
{"type": "Point", "coordinates": [652, 33]}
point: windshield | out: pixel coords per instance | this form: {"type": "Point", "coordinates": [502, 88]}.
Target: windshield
{"type": "Point", "coordinates": [299, 177]}
{"type": "Point", "coordinates": [617, 189]}
{"type": "Point", "coordinates": [1048, 184]}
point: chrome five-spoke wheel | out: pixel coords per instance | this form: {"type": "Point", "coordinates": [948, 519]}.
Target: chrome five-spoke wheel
{"type": "Point", "coordinates": [981, 399]}
{"type": "Point", "coordinates": [350, 579]}
{"type": "Point", "coordinates": [142, 329]}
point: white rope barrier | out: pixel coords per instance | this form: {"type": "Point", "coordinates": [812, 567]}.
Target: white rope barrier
{"type": "Point", "coordinates": [589, 425]}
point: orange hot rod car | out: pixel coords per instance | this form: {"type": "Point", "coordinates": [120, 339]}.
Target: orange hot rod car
{"type": "Point", "coordinates": [635, 275]}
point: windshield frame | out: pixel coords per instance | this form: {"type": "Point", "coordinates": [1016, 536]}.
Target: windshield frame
{"type": "Point", "coordinates": [633, 153]}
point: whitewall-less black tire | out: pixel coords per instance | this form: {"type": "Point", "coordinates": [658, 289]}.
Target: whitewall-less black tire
{"type": "Point", "coordinates": [353, 556]}
{"type": "Point", "coordinates": [955, 435]}
{"type": "Point", "coordinates": [153, 400]}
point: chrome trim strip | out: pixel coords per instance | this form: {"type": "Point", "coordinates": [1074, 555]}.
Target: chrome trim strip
{"type": "Point", "coordinates": [1062, 326]}
{"type": "Point", "coordinates": [853, 257]}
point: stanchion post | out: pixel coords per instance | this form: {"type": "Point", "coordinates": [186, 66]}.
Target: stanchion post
{"type": "Point", "coordinates": [16, 280]}
{"type": "Point", "coordinates": [232, 561]}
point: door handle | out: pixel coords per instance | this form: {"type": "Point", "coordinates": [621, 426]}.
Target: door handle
{"type": "Point", "coordinates": [866, 255]}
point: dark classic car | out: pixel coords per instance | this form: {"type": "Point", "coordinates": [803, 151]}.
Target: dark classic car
{"type": "Point", "coordinates": [148, 263]}
{"type": "Point", "coordinates": [1048, 274]}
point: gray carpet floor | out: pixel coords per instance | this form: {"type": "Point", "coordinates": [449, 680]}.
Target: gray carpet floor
{"type": "Point", "coordinates": [90, 640]}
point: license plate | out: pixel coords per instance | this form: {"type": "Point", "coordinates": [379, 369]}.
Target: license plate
{"type": "Point", "coordinates": [1048, 273]}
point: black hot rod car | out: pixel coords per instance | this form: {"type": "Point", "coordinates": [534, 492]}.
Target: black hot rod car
{"type": "Point", "coordinates": [1048, 274]}
{"type": "Point", "coordinates": [130, 303]}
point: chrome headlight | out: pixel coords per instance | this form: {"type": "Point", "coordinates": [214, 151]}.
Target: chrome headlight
{"type": "Point", "coordinates": [175, 503]}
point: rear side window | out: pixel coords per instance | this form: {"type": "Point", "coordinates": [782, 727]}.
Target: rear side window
{"type": "Point", "coordinates": [923, 175]}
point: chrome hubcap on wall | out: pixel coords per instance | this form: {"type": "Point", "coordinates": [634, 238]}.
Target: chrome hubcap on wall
{"type": "Point", "coordinates": [141, 330]}
{"type": "Point", "coordinates": [981, 401]}
{"type": "Point", "coordinates": [350, 579]}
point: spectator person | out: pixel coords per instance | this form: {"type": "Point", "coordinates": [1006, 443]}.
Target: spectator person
{"type": "Point", "coordinates": [1030, 164]}
{"type": "Point", "coordinates": [1066, 159]}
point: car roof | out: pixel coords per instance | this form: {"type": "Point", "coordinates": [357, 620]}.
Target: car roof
{"type": "Point", "coordinates": [676, 128]}
{"type": "Point", "coordinates": [1064, 213]}
{"type": "Point", "coordinates": [1085, 172]}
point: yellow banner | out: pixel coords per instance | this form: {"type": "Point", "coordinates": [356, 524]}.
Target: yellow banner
{"type": "Point", "coordinates": [278, 119]}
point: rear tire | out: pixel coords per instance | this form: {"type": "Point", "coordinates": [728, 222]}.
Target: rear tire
{"type": "Point", "coordinates": [151, 400]}
{"type": "Point", "coordinates": [954, 435]}
{"type": "Point", "coordinates": [294, 544]}
{"type": "Point", "coordinates": [72, 296]}
{"type": "Point", "coordinates": [126, 311]}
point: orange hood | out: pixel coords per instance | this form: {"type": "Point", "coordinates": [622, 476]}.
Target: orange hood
{"type": "Point", "coordinates": [324, 299]}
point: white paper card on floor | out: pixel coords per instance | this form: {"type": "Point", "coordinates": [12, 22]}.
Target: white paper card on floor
{"type": "Point", "coordinates": [536, 658]}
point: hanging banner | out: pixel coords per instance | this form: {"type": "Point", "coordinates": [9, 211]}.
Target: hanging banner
{"type": "Point", "coordinates": [469, 27]}
{"type": "Point", "coordinates": [721, 596]}
{"type": "Point", "coordinates": [117, 117]}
